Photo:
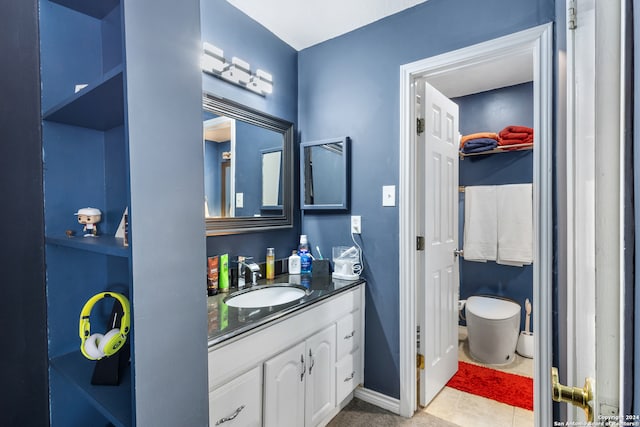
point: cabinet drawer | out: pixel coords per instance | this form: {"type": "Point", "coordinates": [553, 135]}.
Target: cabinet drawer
{"type": "Point", "coordinates": [348, 375]}
{"type": "Point", "coordinates": [348, 334]}
{"type": "Point", "coordinates": [238, 402]}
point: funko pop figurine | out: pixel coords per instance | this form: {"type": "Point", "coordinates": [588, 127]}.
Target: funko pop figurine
{"type": "Point", "coordinates": [90, 217]}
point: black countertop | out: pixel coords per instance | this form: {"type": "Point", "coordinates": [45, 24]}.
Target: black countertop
{"type": "Point", "coordinates": [229, 322]}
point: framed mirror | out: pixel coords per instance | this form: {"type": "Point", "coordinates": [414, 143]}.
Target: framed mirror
{"type": "Point", "coordinates": [248, 168]}
{"type": "Point", "coordinates": [325, 174]}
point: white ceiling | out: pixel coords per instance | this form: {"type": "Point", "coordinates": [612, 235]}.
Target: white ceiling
{"type": "Point", "coordinates": [304, 23]}
{"type": "Point", "coordinates": [493, 74]}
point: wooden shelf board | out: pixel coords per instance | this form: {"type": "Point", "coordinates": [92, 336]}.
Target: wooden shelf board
{"type": "Point", "coordinates": [500, 149]}
{"type": "Point", "coordinates": [114, 402]}
{"type": "Point", "coordinates": [97, 9]}
{"type": "Point", "coordinates": [98, 106]}
{"type": "Point", "coordinates": [107, 245]}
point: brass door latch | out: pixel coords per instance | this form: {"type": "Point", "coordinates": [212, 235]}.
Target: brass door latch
{"type": "Point", "coordinates": [576, 396]}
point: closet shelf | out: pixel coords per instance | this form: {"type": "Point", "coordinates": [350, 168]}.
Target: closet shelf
{"type": "Point", "coordinates": [114, 402]}
{"type": "Point", "coordinates": [98, 106]}
{"type": "Point", "coordinates": [106, 245]}
{"type": "Point", "coordinates": [500, 149]}
{"type": "Point", "coordinates": [97, 9]}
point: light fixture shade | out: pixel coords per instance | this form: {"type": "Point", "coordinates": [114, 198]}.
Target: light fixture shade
{"type": "Point", "coordinates": [212, 50]}
{"type": "Point", "coordinates": [264, 75]}
{"type": "Point", "coordinates": [239, 63]}
{"type": "Point", "coordinates": [211, 64]}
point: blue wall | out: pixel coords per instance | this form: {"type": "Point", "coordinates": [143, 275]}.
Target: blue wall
{"type": "Point", "coordinates": [238, 35]}
{"type": "Point", "coordinates": [491, 112]}
{"type": "Point", "coordinates": [350, 86]}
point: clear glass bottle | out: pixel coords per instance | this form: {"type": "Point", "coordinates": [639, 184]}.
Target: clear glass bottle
{"type": "Point", "coordinates": [271, 263]}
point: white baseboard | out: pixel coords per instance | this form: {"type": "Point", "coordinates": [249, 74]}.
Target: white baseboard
{"type": "Point", "coordinates": [378, 399]}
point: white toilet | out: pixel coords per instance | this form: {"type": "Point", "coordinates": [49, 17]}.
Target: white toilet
{"type": "Point", "coordinates": [493, 324]}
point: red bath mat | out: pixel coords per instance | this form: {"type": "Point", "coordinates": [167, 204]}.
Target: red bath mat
{"type": "Point", "coordinates": [514, 390]}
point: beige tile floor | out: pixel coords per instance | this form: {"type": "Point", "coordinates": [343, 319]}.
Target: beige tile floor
{"type": "Point", "coordinates": [466, 409]}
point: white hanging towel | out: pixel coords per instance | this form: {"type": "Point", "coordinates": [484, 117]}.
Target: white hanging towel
{"type": "Point", "coordinates": [515, 224]}
{"type": "Point", "coordinates": [480, 224]}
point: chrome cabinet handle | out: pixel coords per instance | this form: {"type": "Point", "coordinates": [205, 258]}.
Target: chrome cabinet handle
{"type": "Point", "coordinates": [346, 337]}
{"type": "Point", "coordinates": [304, 367]}
{"type": "Point", "coordinates": [350, 377]}
{"type": "Point", "coordinates": [230, 417]}
{"type": "Point", "coordinates": [313, 361]}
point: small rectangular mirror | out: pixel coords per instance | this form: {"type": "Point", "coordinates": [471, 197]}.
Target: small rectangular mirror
{"type": "Point", "coordinates": [324, 174]}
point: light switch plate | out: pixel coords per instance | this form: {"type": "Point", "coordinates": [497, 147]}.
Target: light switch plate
{"type": "Point", "coordinates": [388, 195]}
{"type": "Point", "coordinates": [239, 200]}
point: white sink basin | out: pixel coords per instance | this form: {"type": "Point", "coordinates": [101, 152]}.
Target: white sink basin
{"type": "Point", "coordinates": [265, 296]}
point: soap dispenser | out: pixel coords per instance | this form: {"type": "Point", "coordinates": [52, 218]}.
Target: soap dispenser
{"type": "Point", "coordinates": [294, 263]}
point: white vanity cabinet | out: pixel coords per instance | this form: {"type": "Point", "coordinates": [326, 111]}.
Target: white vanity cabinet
{"type": "Point", "coordinates": [301, 359]}
{"type": "Point", "coordinates": [299, 385]}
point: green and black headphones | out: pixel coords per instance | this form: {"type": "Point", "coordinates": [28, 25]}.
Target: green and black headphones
{"type": "Point", "coordinates": [96, 346]}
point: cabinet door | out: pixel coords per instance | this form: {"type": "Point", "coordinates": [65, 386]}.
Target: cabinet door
{"type": "Point", "coordinates": [284, 379]}
{"type": "Point", "coordinates": [320, 391]}
{"type": "Point", "coordinates": [239, 402]}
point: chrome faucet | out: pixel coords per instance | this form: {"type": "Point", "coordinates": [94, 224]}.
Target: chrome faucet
{"type": "Point", "coordinates": [252, 266]}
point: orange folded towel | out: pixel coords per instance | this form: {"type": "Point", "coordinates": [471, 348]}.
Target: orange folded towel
{"type": "Point", "coordinates": [490, 135]}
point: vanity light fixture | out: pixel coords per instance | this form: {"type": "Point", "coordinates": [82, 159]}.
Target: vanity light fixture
{"type": "Point", "coordinates": [237, 71]}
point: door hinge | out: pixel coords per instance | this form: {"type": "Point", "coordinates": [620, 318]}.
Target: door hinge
{"type": "Point", "coordinates": [420, 361]}
{"type": "Point", "coordinates": [420, 243]}
{"type": "Point", "coordinates": [572, 15]}
{"type": "Point", "coordinates": [419, 125]}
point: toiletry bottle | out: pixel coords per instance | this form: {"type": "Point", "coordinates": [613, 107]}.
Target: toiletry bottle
{"type": "Point", "coordinates": [224, 273]}
{"type": "Point", "coordinates": [271, 263]}
{"type": "Point", "coordinates": [305, 256]}
{"type": "Point", "coordinates": [212, 275]}
{"type": "Point", "coordinates": [294, 263]}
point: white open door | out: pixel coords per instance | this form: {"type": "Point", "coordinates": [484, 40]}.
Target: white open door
{"type": "Point", "coordinates": [437, 220]}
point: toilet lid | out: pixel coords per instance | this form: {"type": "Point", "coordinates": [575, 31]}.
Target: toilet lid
{"type": "Point", "coordinates": [492, 308]}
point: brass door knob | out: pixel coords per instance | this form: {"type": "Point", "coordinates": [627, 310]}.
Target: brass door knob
{"type": "Point", "coordinates": [576, 396]}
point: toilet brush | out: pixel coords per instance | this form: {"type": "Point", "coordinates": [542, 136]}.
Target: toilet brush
{"type": "Point", "coordinates": [525, 341]}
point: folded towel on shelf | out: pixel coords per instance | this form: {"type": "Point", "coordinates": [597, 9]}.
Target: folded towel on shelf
{"type": "Point", "coordinates": [480, 225]}
{"type": "Point", "coordinates": [515, 135]}
{"type": "Point", "coordinates": [514, 224]}
{"type": "Point", "coordinates": [478, 145]}
{"type": "Point", "coordinates": [478, 135]}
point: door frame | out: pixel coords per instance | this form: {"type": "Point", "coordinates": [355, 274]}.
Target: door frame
{"type": "Point", "coordinates": [536, 41]}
